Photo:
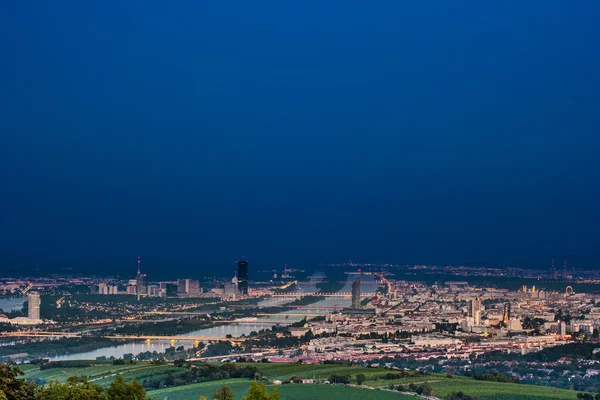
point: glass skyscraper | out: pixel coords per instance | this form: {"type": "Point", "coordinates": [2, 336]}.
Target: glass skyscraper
{"type": "Point", "coordinates": [242, 276]}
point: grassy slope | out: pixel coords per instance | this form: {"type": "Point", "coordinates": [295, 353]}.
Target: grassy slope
{"type": "Point", "coordinates": [287, 392]}
{"type": "Point", "coordinates": [104, 375]}
{"type": "Point", "coordinates": [442, 385]}
{"type": "Point", "coordinates": [194, 391]}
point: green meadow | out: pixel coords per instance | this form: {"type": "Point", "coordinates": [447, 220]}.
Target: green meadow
{"type": "Point", "coordinates": [373, 388]}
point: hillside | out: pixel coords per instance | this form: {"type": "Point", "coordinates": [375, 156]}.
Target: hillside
{"type": "Point", "coordinates": [103, 373]}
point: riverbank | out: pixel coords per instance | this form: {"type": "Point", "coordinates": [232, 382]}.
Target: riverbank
{"type": "Point", "coordinates": [52, 348]}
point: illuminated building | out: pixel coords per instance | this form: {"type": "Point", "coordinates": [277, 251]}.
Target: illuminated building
{"type": "Point", "coordinates": [235, 283]}
{"type": "Point", "coordinates": [33, 300]}
{"type": "Point", "coordinates": [356, 292]}
{"type": "Point", "coordinates": [168, 289]}
{"type": "Point", "coordinates": [562, 328]}
{"type": "Point", "coordinates": [188, 287]}
{"type": "Point", "coordinates": [506, 316]}
{"type": "Point", "coordinates": [141, 282]}
{"type": "Point", "coordinates": [475, 310]}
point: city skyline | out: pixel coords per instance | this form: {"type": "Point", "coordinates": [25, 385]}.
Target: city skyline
{"type": "Point", "coordinates": [161, 269]}
{"type": "Point", "coordinates": [289, 200]}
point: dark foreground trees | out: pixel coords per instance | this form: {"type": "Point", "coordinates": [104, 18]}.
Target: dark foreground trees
{"type": "Point", "coordinates": [14, 387]}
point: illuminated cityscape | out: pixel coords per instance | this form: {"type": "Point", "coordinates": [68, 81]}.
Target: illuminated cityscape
{"type": "Point", "coordinates": [333, 314]}
{"type": "Point", "coordinates": [417, 185]}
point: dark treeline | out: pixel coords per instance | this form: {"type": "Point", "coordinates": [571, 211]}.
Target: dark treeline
{"type": "Point", "coordinates": [59, 347]}
{"type": "Point", "coordinates": [186, 373]}
{"type": "Point", "coordinates": [549, 354]}
{"type": "Point", "coordinates": [461, 396]}
{"type": "Point", "coordinates": [64, 364]}
{"type": "Point", "coordinates": [400, 375]}
{"type": "Point", "coordinates": [495, 376]}
{"type": "Point", "coordinates": [166, 328]}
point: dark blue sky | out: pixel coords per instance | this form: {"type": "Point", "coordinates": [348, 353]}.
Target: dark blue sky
{"type": "Point", "coordinates": [192, 133]}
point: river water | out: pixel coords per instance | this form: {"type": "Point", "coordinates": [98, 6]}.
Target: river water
{"type": "Point", "coordinates": [13, 304]}
{"type": "Point", "coordinates": [235, 330]}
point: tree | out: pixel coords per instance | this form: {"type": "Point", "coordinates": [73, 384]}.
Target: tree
{"type": "Point", "coordinates": [585, 396]}
{"type": "Point", "coordinates": [14, 388]}
{"type": "Point", "coordinates": [75, 388]}
{"type": "Point", "coordinates": [224, 393]}
{"type": "Point", "coordinates": [179, 362]}
{"type": "Point", "coordinates": [275, 394]}
{"type": "Point", "coordinates": [360, 378]}
{"type": "Point", "coordinates": [426, 389]}
{"type": "Point", "coordinates": [345, 379]}
{"type": "Point", "coordinates": [119, 390]}
{"type": "Point", "coordinates": [258, 391]}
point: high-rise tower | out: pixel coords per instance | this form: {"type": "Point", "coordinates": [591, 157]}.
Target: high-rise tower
{"type": "Point", "coordinates": [564, 274]}
{"type": "Point", "coordinates": [553, 270]}
{"type": "Point", "coordinates": [356, 292]}
{"type": "Point", "coordinates": [475, 310]}
{"type": "Point", "coordinates": [33, 306]}
{"type": "Point", "coordinates": [141, 282]}
{"type": "Point", "coordinates": [475, 306]}
{"type": "Point", "coordinates": [506, 316]}
{"type": "Point", "coordinates": [242, 276]}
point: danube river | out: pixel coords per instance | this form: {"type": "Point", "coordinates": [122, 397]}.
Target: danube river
{"type": "Point", "coordinates": [13, 304]}
{"type": "Point", "coordinates": [235, 330]}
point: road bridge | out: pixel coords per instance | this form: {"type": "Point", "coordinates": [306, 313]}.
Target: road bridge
{"type": "Point", "coordinates": [174, 339]}
{"type": "Point", "coordinates": [217, 358]}
{"type": "Point", "coordinates": [317, 307]}
{"type": "Point", "coordinates": [147, 338]}
{"type": "Point", "coordinates": [39, 334]}
{"type": "Point", "coordinates": [263, 322]}
{"type": "Point", "coordinates": [343, 295]}
{"type": "Point", "coordinates": [343, 282]}
{"type": "Point", "coordinates": [176, 312]}
{"type": "Point", "coordinates": [269, 322]}
{"type": "Point", "coordinates": [288, 315]}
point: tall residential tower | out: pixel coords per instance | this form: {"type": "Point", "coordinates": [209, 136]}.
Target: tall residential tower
{"type": "Point", "coordinates": [33, 300]}
{"type": "Point", "coordinates": [475, 310]}
{"type": "Point", "coordinates": [356, 292]}
{"type": "Point", "coordinates": [141, 282]}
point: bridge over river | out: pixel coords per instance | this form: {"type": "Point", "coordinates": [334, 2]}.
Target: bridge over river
{"type": "Point", "coordinates": [147, 338]}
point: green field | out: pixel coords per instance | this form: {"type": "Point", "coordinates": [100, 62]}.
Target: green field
{"type": "Point", "coordinates": [287, 392]}
{"type": "Point", "coordinates": [103, 373]}
{"type": "Point", "coordinates": [194, 391]}
{"type": "Point", "coordinates": [100, 372]}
